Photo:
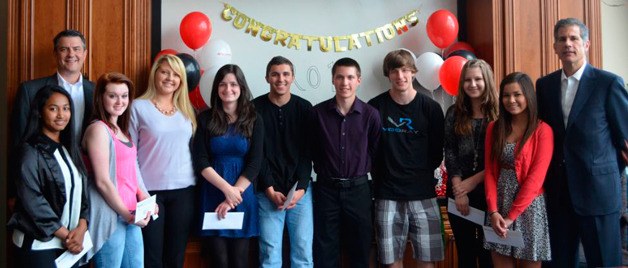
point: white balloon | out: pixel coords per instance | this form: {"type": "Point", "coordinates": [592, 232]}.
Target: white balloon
{"type": "Point", "coordinates": [205, 85]}
{"type": "Point", "coordinates": [216, 53]}
{"type": "Point", "coordinates": [428, 65]}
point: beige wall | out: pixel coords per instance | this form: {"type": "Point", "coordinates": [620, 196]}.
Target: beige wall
{"type": "Point", "coordinates": [615, 37]}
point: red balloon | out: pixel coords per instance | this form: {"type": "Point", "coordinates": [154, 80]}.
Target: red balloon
{"type": "Point", "coordinates": [449, 74]}
{"type": "Point", "coordinates": [195, 30]}
{"type": "Point", "coordinates": [196, 99]}
{"type": "Point", "coordinates": [458, 46]}
{"type": "Point", "coordinates": [167, 51]}
{"type": "Point", "coordinates": [442, 28]}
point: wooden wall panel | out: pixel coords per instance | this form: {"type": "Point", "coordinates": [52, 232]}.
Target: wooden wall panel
{"type": "Point", "coordinates": [107, 37]}
{"type": "Point", "coordinates": [117, 34]}
{"type": "Point", "coordinates": [47, 18]}
{"type": "Point", "coordinates": [527, 48]}
{"type": "Point", "coordinates": [592, 18]}
{"type": "Point", "coordinates": [478, 18]}
{"type": "Point", "coordinates": [521, 36]}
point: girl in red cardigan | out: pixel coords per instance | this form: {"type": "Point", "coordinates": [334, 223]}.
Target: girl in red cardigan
{"type": "Point", "coordinates": [518, 153]}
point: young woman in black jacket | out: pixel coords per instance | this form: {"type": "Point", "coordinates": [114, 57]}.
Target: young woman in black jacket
{"type": "Point", "coordinates": [52, 207]}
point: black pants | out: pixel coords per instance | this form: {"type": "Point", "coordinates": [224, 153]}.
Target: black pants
{"type": "Point", "coordinates": [165, 239]}
{"type": "Point", "coordinates": [227, 252]}
{"type": "Point", "coordinates": [26, 258]}
{"type": "Point", "coordinates": [469, 239]}
{"type": "Point", "coordinates": [347, 209]}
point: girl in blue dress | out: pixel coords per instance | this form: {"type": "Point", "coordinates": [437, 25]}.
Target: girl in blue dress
{"type": "Point", "coordinates": [227, 152]}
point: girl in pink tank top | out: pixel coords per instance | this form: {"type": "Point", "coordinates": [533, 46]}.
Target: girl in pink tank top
{"type": "Point", "coordinates": [116, 186]}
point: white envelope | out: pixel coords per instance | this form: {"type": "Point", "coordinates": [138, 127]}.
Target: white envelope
{"type": "Point", "coordinates": [290, 195]}
{"type": "Point", "coordinates": [513, 238]}
{"type": "Point", "coordinates": [475, 215]}
{"type": "Point", "coordinates": [232, 221]}
{"type": "Point", "coordinates": [146, 206]}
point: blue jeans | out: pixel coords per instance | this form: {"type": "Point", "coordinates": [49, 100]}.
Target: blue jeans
{"type": "Point", "coordinates": [300, 230]}
{"type": "Point", "coordinates": [124, 248]}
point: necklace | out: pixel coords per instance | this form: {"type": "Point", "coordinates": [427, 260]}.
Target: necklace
{"type": "Point", "coordinates": [476, 144]}
{"type": "Point", "coordinates": [163, 111]}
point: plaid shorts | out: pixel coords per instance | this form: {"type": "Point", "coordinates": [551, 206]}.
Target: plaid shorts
{"type": "Point", "coordinates": [419, 221]}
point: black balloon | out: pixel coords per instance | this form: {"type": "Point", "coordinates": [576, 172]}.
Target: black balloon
{"type": "Point", "coordinates": [463, 53]}
{"type": "Point", "coordinates": [192, 70]}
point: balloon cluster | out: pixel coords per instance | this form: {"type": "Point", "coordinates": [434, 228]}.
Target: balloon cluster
{"type": "Point", "coordinates": [436, 70]}
{"type": "Point", "coordinates": [211, 54]}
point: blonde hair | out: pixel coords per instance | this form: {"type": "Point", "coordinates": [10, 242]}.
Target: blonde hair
{"type": "Point", "coordinates": [180, 98]}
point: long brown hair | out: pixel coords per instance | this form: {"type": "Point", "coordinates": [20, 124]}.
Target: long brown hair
{"type": "Point", "coordinates": [463, 108]}
{"type": "Point", "coordinates": [245, 111]}
{"type": "Point", "coordinates": [99, 109]}
{"type": "Point", "coordinates": [503, 125]}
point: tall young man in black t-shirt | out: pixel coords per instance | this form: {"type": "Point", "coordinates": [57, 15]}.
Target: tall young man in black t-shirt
{"type": "Point", "coordinates": [411, 147]}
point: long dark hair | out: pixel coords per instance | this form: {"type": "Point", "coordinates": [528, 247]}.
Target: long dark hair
{"type": "Point", "coordinates": [99, 110]}
{"type": "Point", "coordinates": [68, 137]}
{"type": "Point", "coordinates": [503, 125]}
{"type": "Point", "coordinates": [245, 111]}
{"type": "Point", "coordinates": [462, 107]}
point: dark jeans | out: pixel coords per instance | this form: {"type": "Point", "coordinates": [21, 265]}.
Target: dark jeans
{"type": "Point", "coordinates": [469, 239]}
{"type": "Point", "coordinates": [347, 209]}
{"type": "Point", "coordinates": [166, 238]}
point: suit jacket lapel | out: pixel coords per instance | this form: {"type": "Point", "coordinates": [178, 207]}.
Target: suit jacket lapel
{"type": "Point", "coordinates": [585, 88]}
{"type": "Point", "coordinates": [88, 93]}
{"type": "Point", "coordinates": [52, 80]}
{"type": "Point", "coordinates": [556, 99]}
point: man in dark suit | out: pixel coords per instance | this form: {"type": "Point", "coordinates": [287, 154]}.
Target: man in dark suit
{"type": "Point", "coordinates": [586, 108]}
{"type": "Point", "coordinates": [70, 52]}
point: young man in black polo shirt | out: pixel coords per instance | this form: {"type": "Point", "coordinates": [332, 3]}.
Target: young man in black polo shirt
{"type": "Point", "coordinates": [285, 163]}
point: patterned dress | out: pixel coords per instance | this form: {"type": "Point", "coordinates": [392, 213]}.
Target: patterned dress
{"type": "Point", "coordinates": [532, 223]}
{"type": "Point", "coordinates": [228, 154]}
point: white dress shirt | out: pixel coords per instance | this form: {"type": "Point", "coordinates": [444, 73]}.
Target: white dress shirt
{"type": "Point", "coordinates": [78, 98]}
{"type": "Point", "coordinates": [568, 89]}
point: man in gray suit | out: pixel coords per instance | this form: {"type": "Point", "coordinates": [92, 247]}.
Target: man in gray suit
{"type": "Point", "coordinates": [70, 52]}
{"type": "Point", "coordinates": [586, 108]}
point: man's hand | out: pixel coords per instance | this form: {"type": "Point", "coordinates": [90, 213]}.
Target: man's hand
{"type": "Point", "coordinates": [276, 197]}
{"type": "Point", "coordinates": [298, 194]}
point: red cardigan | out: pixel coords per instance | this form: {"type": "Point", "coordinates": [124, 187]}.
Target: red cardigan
{"type": "Point", "coordinates": [530, 166]}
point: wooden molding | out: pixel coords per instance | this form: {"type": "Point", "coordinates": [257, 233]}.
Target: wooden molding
{"type": "Point", "coordinates": [137, 42]}
{"type": "Point", "coordinates": [510, 36]}
{"type": "Point", "coordinates": [498, 42]}
{"type": "Point", "coordinates": [593, 20]}
{"type": "Point", "coordinates": [79, 17]}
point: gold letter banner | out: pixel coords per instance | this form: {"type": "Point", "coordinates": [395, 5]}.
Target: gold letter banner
{"type": "Point", "coordinates": [339, 43]}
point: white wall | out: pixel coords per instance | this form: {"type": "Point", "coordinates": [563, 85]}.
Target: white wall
{"type": "Point", "coordinates": [317, 18]}
{"type": "Point", "coordinates": [615, 37]}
